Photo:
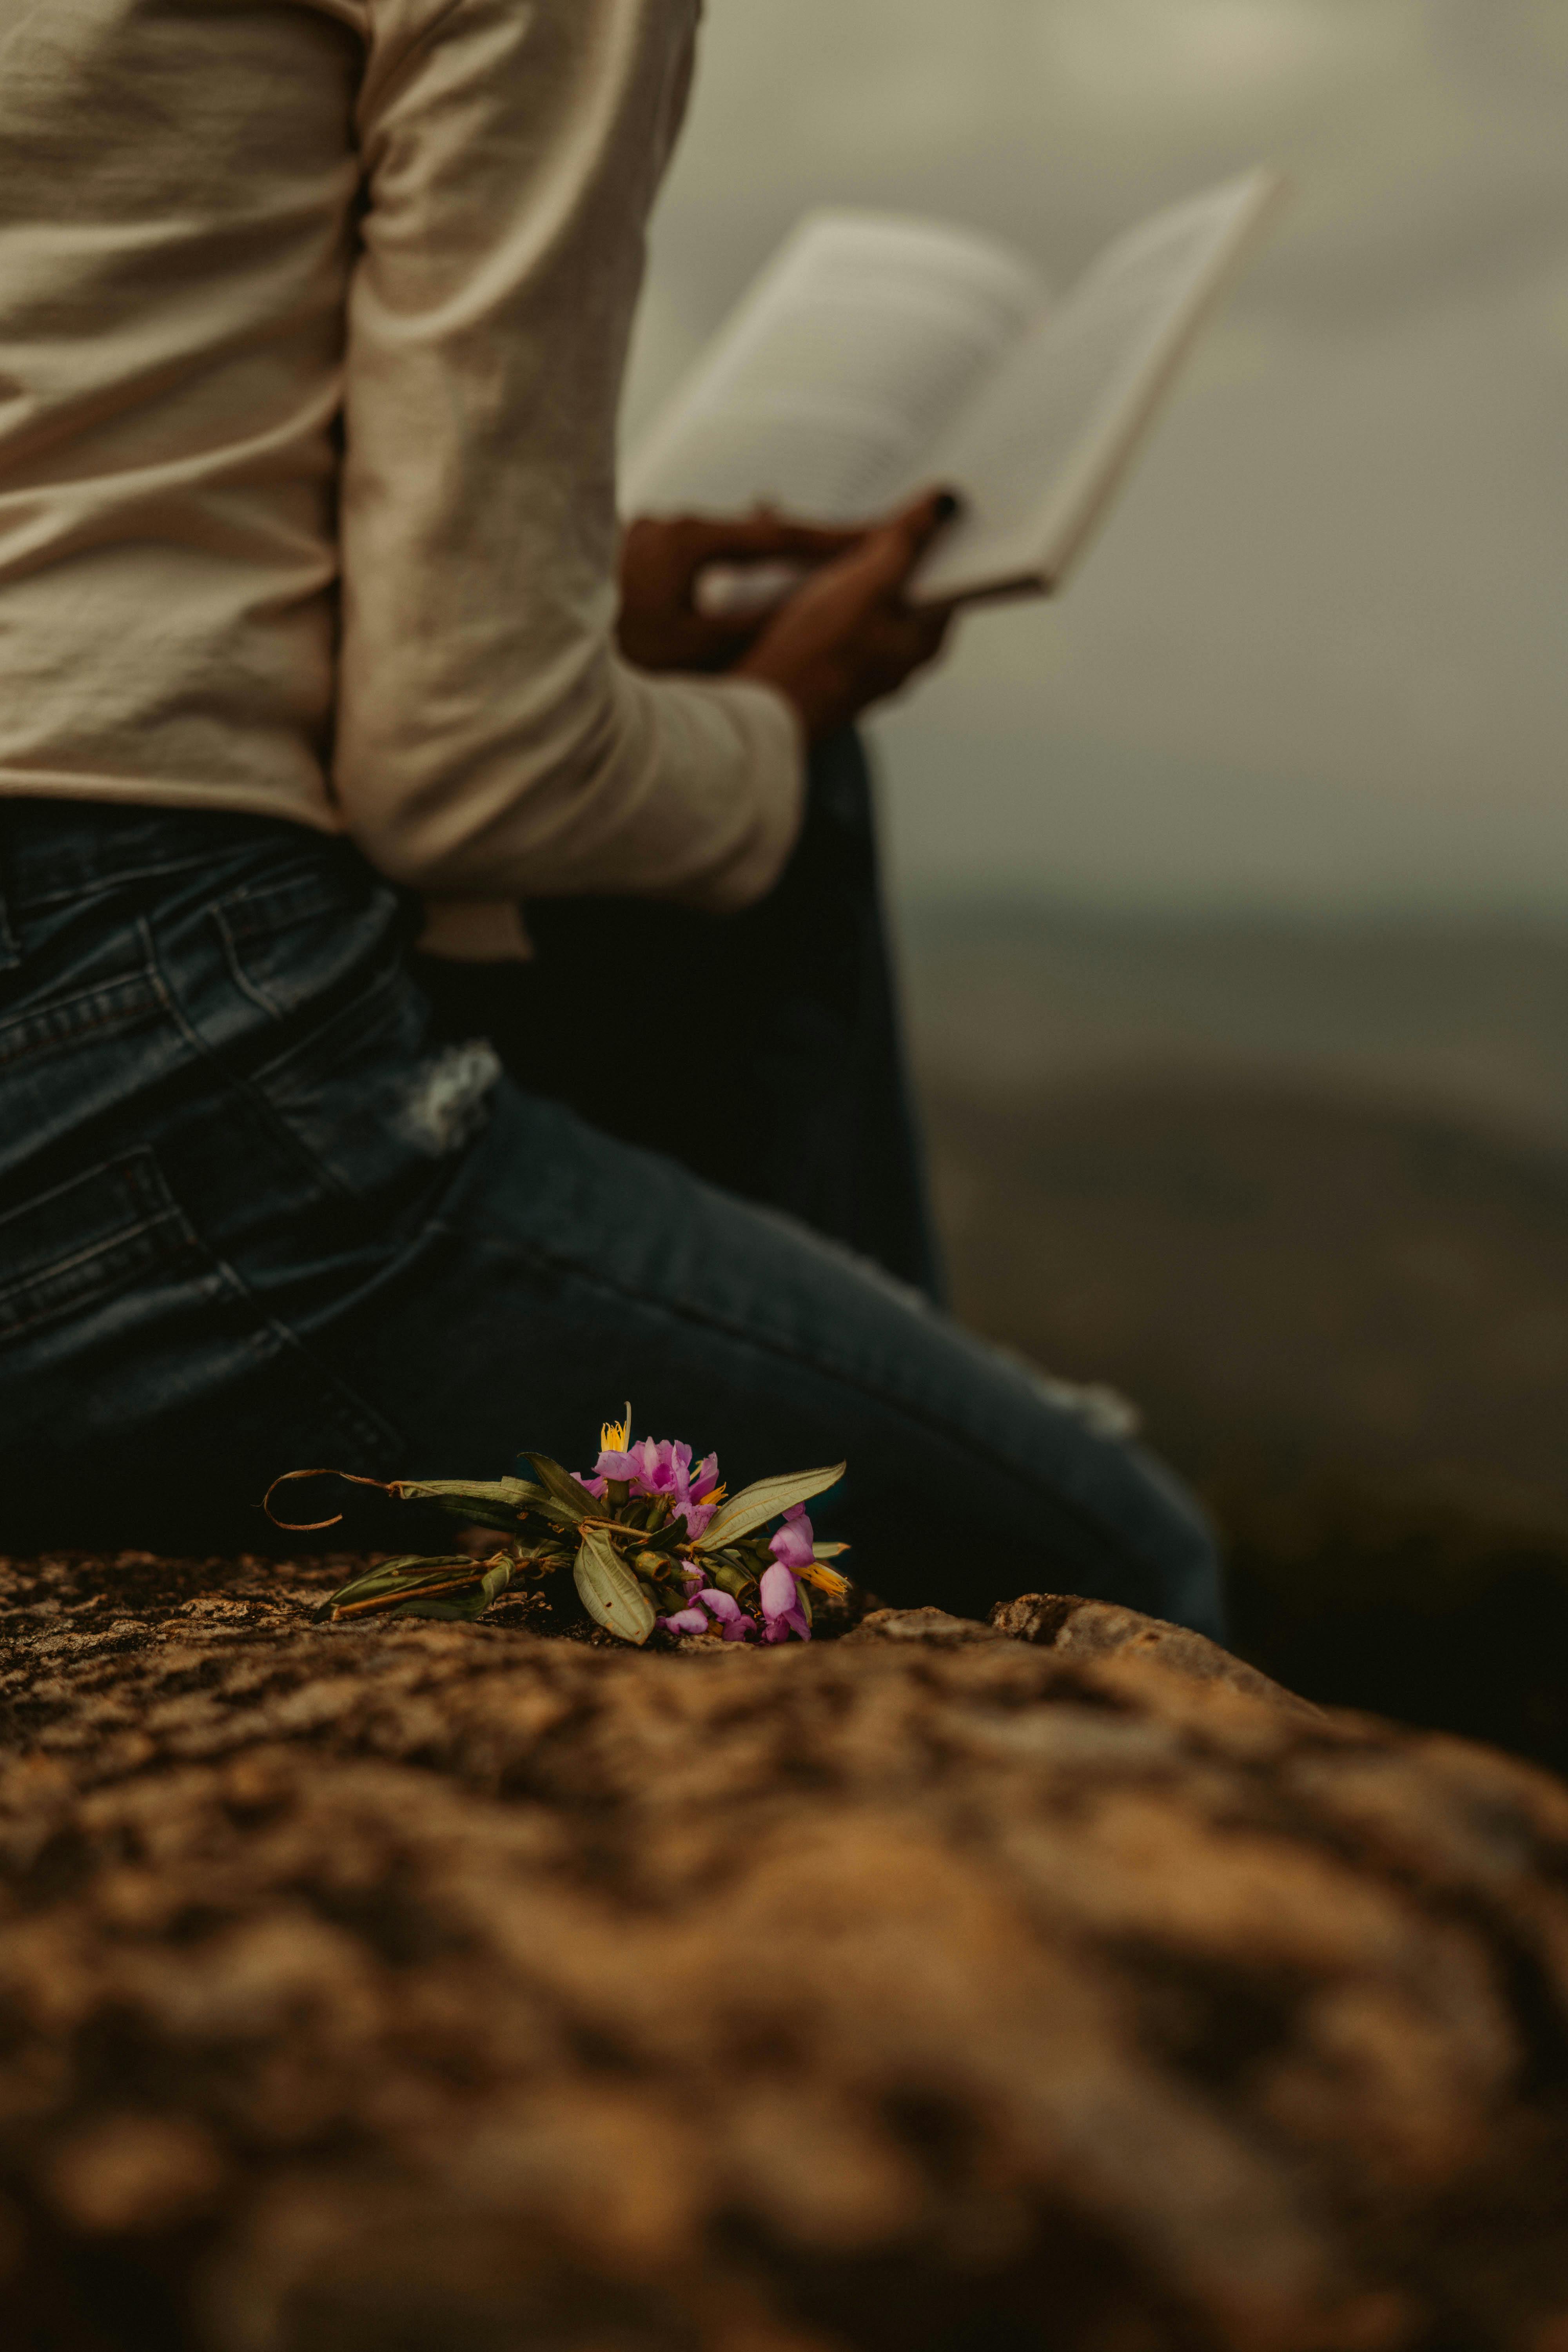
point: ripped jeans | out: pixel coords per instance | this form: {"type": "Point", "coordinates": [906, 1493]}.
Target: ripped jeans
{"type": "Point", "coordinates": [263, 1206]}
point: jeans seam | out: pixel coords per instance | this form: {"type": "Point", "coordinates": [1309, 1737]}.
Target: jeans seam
{"type": "Point", "coordinates": [374, 1430]}
{"type": "Point", "coordinates": [98, 886]}
{"type": "Point", "coordinates": [152, 1207]}
{"type": "Point", "coordinates": [318, 896]}
{"type": "Point", "coordinates": [239, 1083]}
{"type": "Point", "coordinates": [82, 1256]}
{"type": "Point", "coordinates": [237, 971]}
{"type": "Point", "coordinates": [38, 1037]}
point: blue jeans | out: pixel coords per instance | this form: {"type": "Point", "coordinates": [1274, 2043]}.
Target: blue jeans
{"type": "Point", "coordinates": [260, 1210]}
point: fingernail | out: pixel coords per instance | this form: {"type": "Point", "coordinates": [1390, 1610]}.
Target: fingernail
{"type": "Point", "coordinates": [948, 504]}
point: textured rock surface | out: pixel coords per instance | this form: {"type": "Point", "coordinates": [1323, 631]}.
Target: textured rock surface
{"type": "Point", "coordinates": [1076, 1628]}
{"type": "Point", "coordinates": [410, 1988]}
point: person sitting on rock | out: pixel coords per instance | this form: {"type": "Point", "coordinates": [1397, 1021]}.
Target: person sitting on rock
{"type": "Point", "coordinates": [321, 654]}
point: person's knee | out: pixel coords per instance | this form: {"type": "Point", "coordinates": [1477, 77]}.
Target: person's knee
{"type": "Point", "coordinates": [1188, 1562]}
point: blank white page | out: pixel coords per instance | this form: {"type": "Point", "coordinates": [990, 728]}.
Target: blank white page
{"type": "Point", "coordinates": [1042, 445]}
{"type": "Point", "coordinates": [843, 364]}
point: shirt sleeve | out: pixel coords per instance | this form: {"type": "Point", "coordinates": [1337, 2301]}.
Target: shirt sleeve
{"type": "Point", "coordinates": [490, 742]}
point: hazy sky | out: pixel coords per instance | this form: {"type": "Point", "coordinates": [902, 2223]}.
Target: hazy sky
{"type": "Point", "coordinates": [1318, 659]}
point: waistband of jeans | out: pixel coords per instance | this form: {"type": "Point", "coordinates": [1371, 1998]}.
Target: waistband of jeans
{"type": "Point", "coordinates": [55, 850]}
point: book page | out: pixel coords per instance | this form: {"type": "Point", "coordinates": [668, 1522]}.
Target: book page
{"type": "Point", "coordinates": [1042, 445]}
{"type": "Point", "coordinates": [839, 369]}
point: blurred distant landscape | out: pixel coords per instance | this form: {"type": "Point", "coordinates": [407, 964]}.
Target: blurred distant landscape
{"type": "Point", "coordinates": [1300, 1190]}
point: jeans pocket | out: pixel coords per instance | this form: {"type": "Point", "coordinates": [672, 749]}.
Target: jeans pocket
{"type": "Point", "coordinates": [74, 1248]}
{"type": "Point", "coordinates": [303, 939]}
{"type": "Point", "coordinates": [142, 1378]}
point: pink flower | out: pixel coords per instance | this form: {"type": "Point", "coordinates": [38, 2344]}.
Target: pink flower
{"type": "Point", "coordinates": [661, 1466]}
{"type": "Point", "coordinates": [782, 1611]}
{"type": "Point", "coordinates": [721, 1608]}
{"type": "Point", "coordinates": [792, 1547]}
{"type": "Point", "coordinates": [730, 1614]}
{"type": "Point", "coordinates": [685, 1621]}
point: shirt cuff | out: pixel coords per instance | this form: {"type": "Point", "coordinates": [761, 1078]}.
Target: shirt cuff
{"type": "Point", "coordinates": [776, 764]}
{"type": "Point", "coordinates": [475, 930]}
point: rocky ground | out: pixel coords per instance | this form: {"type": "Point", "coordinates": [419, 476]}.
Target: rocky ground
{"type": "Point", "coordinates": [403, 1988]}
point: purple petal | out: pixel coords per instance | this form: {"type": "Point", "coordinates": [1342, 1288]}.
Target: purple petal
{"type": "Point", "coordinates": [792, 1543]}
{"type": "Point", "coordinates": [705, 1478]}
{"type": "Point", "coordinates": [686, 1620]}
{"type": "Point", "coordinates": [778, 1590]}
{"type": "Point", "coordinates": [737, 1627]}
{"type": "Point", "coordinates": [662, 1465]}
{"type": "Point", "coordinates": [645, 1455]}
{"type": "Point", "coordinates": [723, 1604]}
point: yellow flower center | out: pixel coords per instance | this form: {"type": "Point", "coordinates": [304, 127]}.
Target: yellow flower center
{"type": "Point", "coordinates": [616, 1436]}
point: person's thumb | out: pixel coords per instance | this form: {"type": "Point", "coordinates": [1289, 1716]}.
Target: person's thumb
{"type": "Point", "coordinates": [891, 553]}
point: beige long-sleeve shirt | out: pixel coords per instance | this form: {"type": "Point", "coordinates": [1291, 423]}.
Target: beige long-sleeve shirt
{"type": "Point", "coordinates": [313, 315]}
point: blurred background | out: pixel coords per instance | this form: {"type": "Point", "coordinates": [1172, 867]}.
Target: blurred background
{"type": "Point", "coordinates": [1233, 890]}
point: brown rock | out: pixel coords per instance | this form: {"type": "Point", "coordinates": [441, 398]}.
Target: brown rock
{"type": "Point", "coordinates": [933, 1627]}
{"type": "Point", "coordinates": [1098, 1629]}
{"type": "Point", "coordinates": [387, 1988]}
{"type": "Point", "coordinates": [136, 2172]}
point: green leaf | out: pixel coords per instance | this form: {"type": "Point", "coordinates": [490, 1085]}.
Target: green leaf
{"type": "Point", "coordinates": [393, 1575]}
{"type": "Point", "coordinates": [828, 1551]}
{"type": "Point", "coordinates": [495, 1581]}
{"type": "Point", "coordinates": [573, 1501]}
{"type": "Point", "coordinates": [464, 1606]}
{"type": "Point", "coordinates": [543, 1558]}
{"type": "Point", "coordinates": [768, 1499]}
{"type": "Point", "coordinates": [610, 1592]}
{"type": "Point", "coordinates": [663, 1545]}
{"type": "Point", "coordinates": [510, 1493]}
{"type": "Point", "coordinates": [408, 1564]}
{"type": "Point", "coordinates": [504, 1504]}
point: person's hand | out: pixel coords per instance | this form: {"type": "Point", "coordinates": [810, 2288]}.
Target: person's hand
{"type": "Point", "coordinates": [846, 638]}
{"type": "Point", "coordinates": [659, 626]}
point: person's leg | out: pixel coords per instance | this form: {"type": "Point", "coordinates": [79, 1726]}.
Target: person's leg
{"type": "Point", "coordinates": [762, 1050]}
{"type": "Point", "coordinates": [253, 1218]}
{"type": "Point", "coordinates": [613, 1274]}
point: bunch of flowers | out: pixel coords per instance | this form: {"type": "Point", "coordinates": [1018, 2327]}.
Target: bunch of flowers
{"type": "Point", "coordinates": [653, 1545]}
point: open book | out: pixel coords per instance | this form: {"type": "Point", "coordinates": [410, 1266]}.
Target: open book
{"type": "Point", "coordinates": [878, 356]}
